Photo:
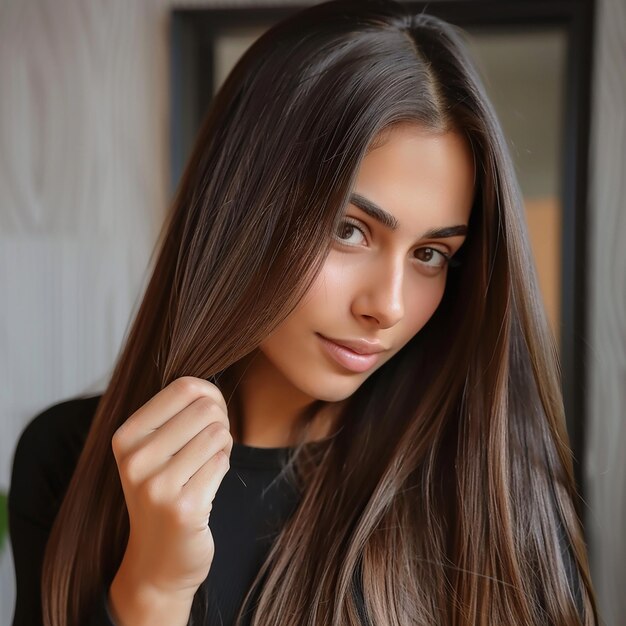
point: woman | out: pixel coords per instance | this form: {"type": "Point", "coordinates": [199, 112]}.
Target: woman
{"type": "Point", "coordinates": [350, 192]}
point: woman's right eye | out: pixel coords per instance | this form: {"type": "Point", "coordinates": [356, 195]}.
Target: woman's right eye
{"type": "Point", "coordinates": [346, 230]}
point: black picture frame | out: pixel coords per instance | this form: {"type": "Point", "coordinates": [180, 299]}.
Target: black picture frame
{"type": "Point", "coordinates": [193, 32]}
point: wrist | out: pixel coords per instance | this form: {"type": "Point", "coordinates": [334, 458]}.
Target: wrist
{"type": "Point", "coordinates": [132, 603]}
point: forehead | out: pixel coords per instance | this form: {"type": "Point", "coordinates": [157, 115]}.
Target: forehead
{"type": "Point", "coordinates": [413, 171]}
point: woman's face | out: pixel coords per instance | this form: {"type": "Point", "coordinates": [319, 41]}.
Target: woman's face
{"type": "Point", "coordinates": [380, 282]}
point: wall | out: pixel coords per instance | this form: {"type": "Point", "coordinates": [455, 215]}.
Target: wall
{"type": "Point", "coordinates": [605, 470]}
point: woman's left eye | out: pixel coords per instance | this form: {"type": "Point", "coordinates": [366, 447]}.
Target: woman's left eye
{"type": "Point", "coordinates": [441, 258]}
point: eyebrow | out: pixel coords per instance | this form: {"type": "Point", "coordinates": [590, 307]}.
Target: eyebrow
{"type": "Point", "coordinates": [390, 222]}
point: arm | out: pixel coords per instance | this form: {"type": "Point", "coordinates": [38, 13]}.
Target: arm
{"type": "Point", "coordinates": [131, 605]}
{"type": "Point", "coordinates": [43, 463]}
{"type": "Point", "coordinates": [28, 542]}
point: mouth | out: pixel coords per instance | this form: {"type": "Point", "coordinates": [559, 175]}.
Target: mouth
{"type": "Point", "coordinates": [348, 358]}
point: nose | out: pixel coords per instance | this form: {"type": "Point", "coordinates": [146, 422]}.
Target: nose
{"type": "Point", "coordinates": [382, 295]}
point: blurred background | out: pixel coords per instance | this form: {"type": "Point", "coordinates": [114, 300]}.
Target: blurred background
{"type": "Point", "coordinates": [99, 107]}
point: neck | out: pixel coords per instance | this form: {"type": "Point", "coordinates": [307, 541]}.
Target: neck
{"type": "Point", "coordinates": [265, 406]}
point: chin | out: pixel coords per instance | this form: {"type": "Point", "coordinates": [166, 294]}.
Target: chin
{"type": "Point", "coordinates": [335, 397]}
{"type": "Point", "coordinates": [330, 387]}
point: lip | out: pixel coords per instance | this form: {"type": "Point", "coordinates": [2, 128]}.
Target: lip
{"type": "Point", "coordinates": [360, 346]}
{"type": "Point", "coordinates": [349, 358]}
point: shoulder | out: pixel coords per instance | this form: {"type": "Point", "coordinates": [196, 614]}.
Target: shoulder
{"type": "Point", "coordinates": [45, 457]}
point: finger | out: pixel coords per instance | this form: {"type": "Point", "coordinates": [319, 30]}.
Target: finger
{"type": "Point", "coordinates": [178, 431]}
{"type": "Point", "coordinates": [166, 403]}
{"type": "Point", "coordinates": [203, 485]}
{"type": "Point", "coordinates": [185, 463]}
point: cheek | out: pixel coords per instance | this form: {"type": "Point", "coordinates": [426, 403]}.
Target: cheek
{"type": "Point", "coordinates": [327, 297]}
{"type": "Point", "coordinates": [314, 312]}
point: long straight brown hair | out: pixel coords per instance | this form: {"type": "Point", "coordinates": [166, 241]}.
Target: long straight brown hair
{"type": "Point", "coordinates": [445, 495]}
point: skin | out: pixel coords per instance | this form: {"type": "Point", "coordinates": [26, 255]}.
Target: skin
{"type": "Point", "coordinates": [379, 284]}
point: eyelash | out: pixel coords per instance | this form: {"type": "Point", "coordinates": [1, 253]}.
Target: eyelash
{"type": "Point", "coordinates": [447, 257]}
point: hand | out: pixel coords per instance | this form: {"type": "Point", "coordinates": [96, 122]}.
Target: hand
{"type": "Point", "coordinates": [172, 455]}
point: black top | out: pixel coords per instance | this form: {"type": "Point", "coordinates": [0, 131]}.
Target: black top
{"type": "Point", "coordinates": [249, 508]}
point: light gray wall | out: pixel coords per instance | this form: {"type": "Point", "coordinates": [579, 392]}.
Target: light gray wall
{"type": "Point", "coordinates": [83, 189]}
{"type": "Point", "coordinates": [605, 469]}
